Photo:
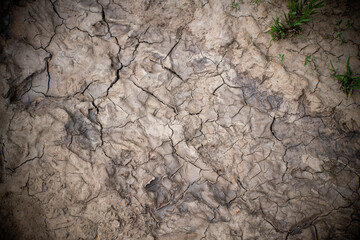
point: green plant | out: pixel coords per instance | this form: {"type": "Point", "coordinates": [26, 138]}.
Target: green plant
{"type": "Point", "coordinates": [349, 24]}
{"type": "Point", "coordinates": [282, 56]}
{"type": "Point", "coordinates": [339, 36]}
{"type": "Point", "coordinates": [202, 4]}
{"type": "Point", "coordinates": [257, 1]}
{"type": "Point", "coordinates": [348, 82]}
{"type": "Point", "coordinates": [236, 3]}
{"type": "Point", "coordinates": [299, 36]}
{"type": "Point", "coordinates": [278, 30]}
{"type": "Point", "coordinates": [300, 12]}
{"type": "Point", "coordinates": [307, 60]}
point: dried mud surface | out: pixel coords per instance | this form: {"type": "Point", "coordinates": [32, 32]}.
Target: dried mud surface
{"type": "Point", "coordinates": [172, 120]}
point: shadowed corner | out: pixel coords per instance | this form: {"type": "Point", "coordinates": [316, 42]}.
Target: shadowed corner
{"type": "Point", "coordinates": [8, 227]}
{"type": "Point", "coordinates": [21, 218]}
{"type": "Point", "coordinates": [2, 164]}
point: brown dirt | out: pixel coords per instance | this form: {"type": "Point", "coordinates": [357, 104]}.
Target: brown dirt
{"type": "Point", "coordinates": [172, 120]}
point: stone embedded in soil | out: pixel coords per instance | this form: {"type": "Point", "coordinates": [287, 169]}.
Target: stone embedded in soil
{"type": "Point", "coordinates": [168, 120]}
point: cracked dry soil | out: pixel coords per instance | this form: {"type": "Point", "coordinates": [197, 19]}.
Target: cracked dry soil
{"type": "Point", "coordinates": [172, 120]}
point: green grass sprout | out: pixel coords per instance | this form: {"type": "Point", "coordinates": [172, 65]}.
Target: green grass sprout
{"type": "Point", "coordinates": [348, 82]}
{"type": "Point", "coordinates": [282, 56]}
{"type": "Point", "coordinates": [349, 24]}
{"type": "Point", "coordinates": [236, 3]}
{"type": "Point", "coordinates": [339, 22]}
{"type": "Point", "coordinates": [339, 36]}
{"type": "Point", "coordinates": [300, 12]}
{"type": "Point", "coordinates": [307, 60]}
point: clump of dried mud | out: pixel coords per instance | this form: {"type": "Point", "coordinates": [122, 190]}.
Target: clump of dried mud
{"type": "Point", "coordinates": [176, 120]}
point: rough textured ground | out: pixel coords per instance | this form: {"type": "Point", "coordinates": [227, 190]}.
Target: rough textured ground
{"type": "Point", "coordinates": [172, 120]}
